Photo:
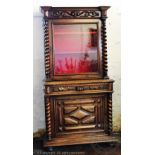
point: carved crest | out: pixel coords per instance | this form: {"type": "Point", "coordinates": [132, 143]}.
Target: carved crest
{"type": "Point", "coordinates": [75, 13]}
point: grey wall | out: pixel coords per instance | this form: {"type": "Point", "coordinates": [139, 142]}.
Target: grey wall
{"type": "Point", "coordinates": [114, 53]}
{"type": "Point", "coordinates": [38, 74]}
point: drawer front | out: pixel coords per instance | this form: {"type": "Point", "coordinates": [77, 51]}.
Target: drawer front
{"type": "Point", "coordinates": [80, 113]}
{"type": "Point", "coordinates": [78, 89]}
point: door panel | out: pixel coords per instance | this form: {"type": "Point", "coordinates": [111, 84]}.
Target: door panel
{"type": "Point", "coordinates": [80, 113]}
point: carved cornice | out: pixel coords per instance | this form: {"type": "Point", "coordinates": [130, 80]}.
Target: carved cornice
{"type": "Point", "coordinates": [104, 11]}
{"type": "Point", "coordinates": [74, 12]}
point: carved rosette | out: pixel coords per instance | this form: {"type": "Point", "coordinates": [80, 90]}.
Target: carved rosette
{"type": "Point", "coordinates": [48, 118]}
{"type": "Point", "coordinates": [110, 114]}
{"type": "Point", "coordinates": [47, 50]}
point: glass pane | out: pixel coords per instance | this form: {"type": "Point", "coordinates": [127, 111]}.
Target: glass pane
{"type": "Point", "coordinates": [75, 48]}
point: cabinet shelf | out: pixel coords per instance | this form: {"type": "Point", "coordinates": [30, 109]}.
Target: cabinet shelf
{"type": "Point", "coordinates": [74, 33]}
{"type": "Point", "coordinates": [72, 52]}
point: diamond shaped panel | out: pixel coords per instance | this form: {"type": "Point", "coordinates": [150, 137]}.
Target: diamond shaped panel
{"type": "Point", "coordinates": [79, 114]}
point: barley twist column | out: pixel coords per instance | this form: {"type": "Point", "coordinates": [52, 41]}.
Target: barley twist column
{"type": "Point", "coordinates": [47, 50]}
{"type": "Point", "coordinates": [110, 113]}
{"type": "Point", "coordinates": [104, 49]}
{"type": "Point", "coordinates": [48, 118]}
{"type": "Point", "coordinates": [104, 41]}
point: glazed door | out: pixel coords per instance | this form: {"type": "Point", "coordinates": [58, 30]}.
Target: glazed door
{"type": "Point", "coordinates": [76, 49]}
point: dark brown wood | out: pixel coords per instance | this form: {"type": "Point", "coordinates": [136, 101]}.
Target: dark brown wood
{"type": "Point", "coordinates": [48, 118]}
{"type": "Point", "coordinates": [74, 12]}
{"type": "Point", "coordinates": [78, 107]}
{"type": "Point", "coordinates": [84, 138]}
{"type": "Point", "coordinates": [57, 88]}
{"type": "Point", "coordinates": [47, 49]}
{"type": "Point", "coordinates": [110, 113]}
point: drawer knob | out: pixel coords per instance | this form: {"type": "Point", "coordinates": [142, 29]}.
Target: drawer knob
{"type": "Point", "coordinates": [79, 88]}
{"type": "Point", "coordinates": [61, 88]}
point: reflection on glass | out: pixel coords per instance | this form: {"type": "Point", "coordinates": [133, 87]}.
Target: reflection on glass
{"type": "Point", "coordinates": [75, 48]}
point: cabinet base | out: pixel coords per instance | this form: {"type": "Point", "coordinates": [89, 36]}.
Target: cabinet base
{"type": "Point", "coordinates": [74, 139]}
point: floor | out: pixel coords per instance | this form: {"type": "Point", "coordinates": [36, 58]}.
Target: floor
{"type": "Point", "coordinates": [89, 149]}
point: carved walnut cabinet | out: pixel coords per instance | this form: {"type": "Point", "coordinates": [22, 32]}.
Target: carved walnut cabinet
{"type": "Point", "coordinates": [78, 91]}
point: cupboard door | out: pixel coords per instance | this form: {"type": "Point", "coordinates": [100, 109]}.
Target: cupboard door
{"type": "Point", "coordinates": [84, 113]}
{"type": "Point", "coordinates": [78, 51]}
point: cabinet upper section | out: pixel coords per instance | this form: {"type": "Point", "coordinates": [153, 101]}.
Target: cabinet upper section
{"type": "Point", "coordinates": [74, 12]}
{"type": "Point", "coordinates": [75, 42]}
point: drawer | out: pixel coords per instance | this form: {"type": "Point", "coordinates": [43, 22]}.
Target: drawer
{"type": "Point", "coordinates": [79, 113]}
{"type": "Point", "coordinates": [77, 88]}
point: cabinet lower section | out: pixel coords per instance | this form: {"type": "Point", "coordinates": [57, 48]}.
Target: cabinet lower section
{"type": "Point", "coordinates": [79, 113]}
{"type": "Point", "coordinates": [78, 119]}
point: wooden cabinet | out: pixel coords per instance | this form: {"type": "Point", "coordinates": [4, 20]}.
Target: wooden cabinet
{"type": "Point", "coordinates": [78, 91]}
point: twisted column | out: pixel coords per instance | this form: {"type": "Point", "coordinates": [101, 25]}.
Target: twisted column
{"type": "Point", "coordinates": [47, 50]}
{"type": "Point", "coordinates": [110, 113]}
{"type": "Point", "coordinates": [104, 48]}
{"type": "Point", "coordinates": [48, 118]}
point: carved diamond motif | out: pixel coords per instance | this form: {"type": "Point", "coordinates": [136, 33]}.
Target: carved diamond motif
{"type": "Point", "coordinates": [79, 114]}
{"type": "Point", "coordinates": [70, 121]}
